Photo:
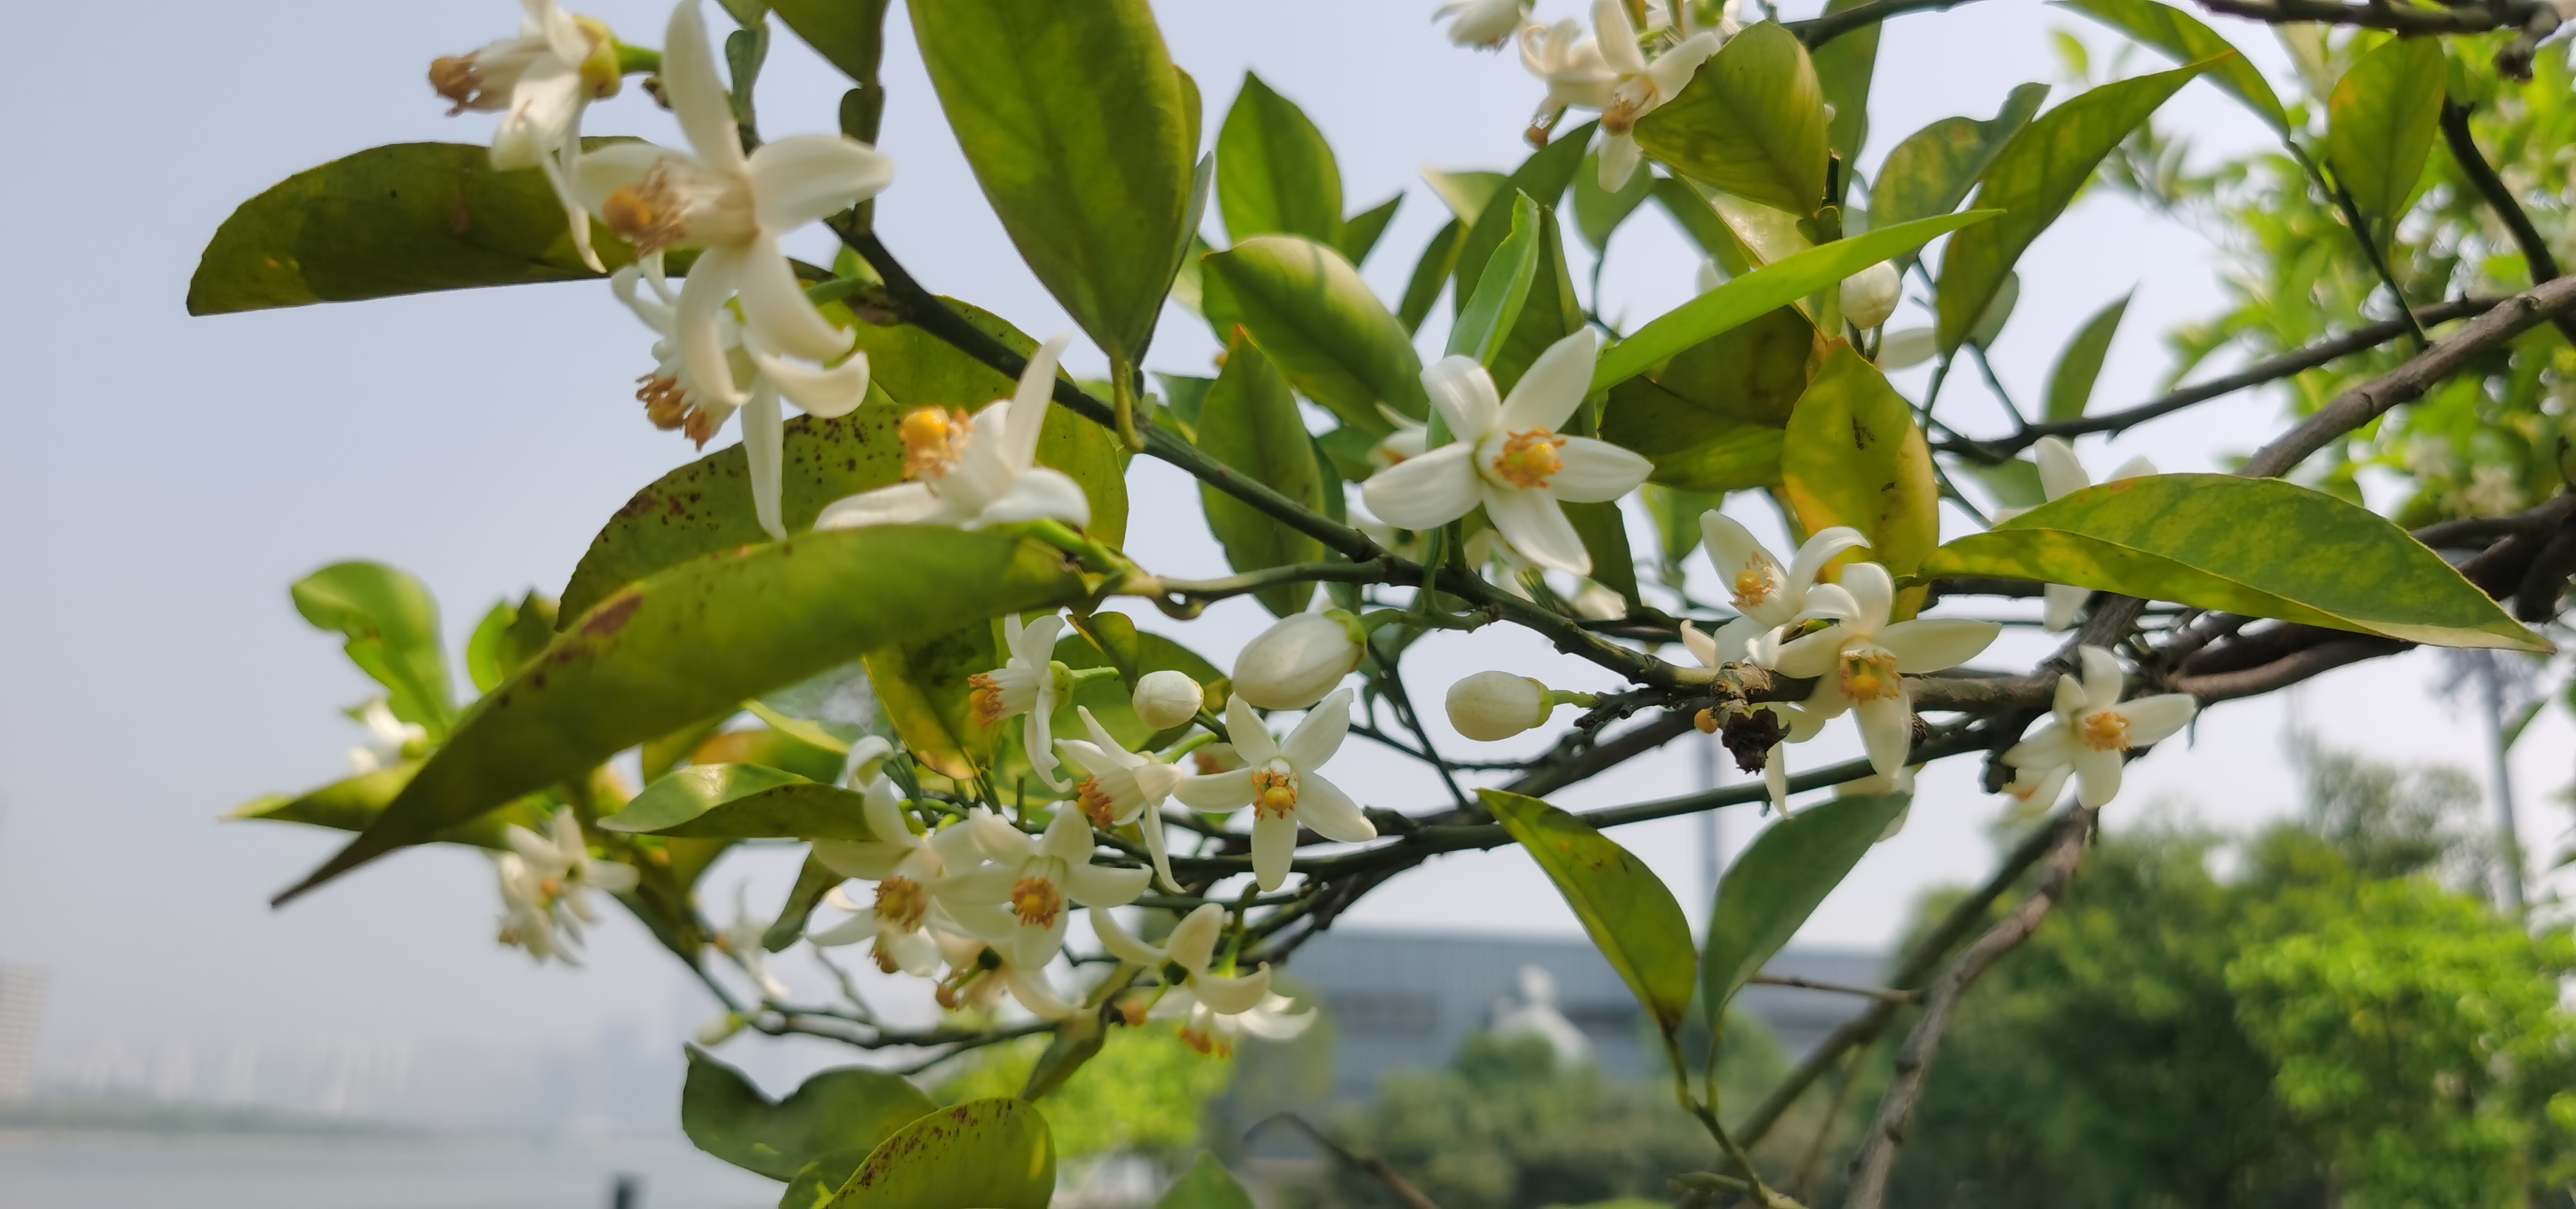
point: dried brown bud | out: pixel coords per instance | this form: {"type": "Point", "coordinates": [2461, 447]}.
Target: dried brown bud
{"type": "Point", "coordinates": [1751, 734]}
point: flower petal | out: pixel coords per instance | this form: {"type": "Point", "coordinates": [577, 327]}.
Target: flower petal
{"type": "Point", "coordinates": [1620, 157]}
{"type": "Point", "coordinates": [1424, 492]}
{"type": "Point", "coordinates": [616, 166]}
{"type": "Point", "coordinates": [1673, 69]}
{"type": "Point", "coordinates": [2103, 682]}
{"type": "Point", "coordinates": [1887, 731]}
{"type": "Point", "coordinates": [2064, 601]}
{"type": "Point", "coordinates": [823, 393]}
{"type": "Point", "coordinates": [1594, 471]}
{"type": "Point", "coordinates": [1121, 943]}
{"type": "Point", "coordinates": [1536, 527]}
{"type": "Point", "coordinates": [2060, 472]}
{"type": "Point", "coordinates": [1320, 733]}
{"type": "Point", "coordinates": [1701, 646]}
{"type": "Point", "coordinates": [2053, 745]}
{"type": "Point", "coordinates": [1103, 886]}
{"type": "Point", "coordinates": [776, 311]}
{"type": "Point", "coordinates": [1464, 393]}
{"type": "Point", "coordinates": [810, 177]}
{"type": "Point", "coordinates": [1933, 644]}
{"type": "Point", "coordinates": [853, 858]}
{"type": "Point", "coordinates": [1323, 808]}
{"type": "Point", "coordinates": [2097, 777]}
{"type": "Point", "coordinates": [1271, 1025]}
{"type": "Point", "coordinates": [1150, 821]}
{"type": "Point", "coordinates": [1252, 740]}
{"type": "Point", "coordinates": [699, 326]}
{"type": "Point", "coordinates": [1232, 996]}
{"type": "Point", "coordinates": [1554, 385]}
{"type": "Point", "coordinates": [1824, 547]}
{"type": "Point", "coordinates": [1872, 593]}
{"type": "Point", "coordinates": [2135, 468]}
{"type": "Point", "coordinates": [1216, 791]}
{"type": "Point", "coordinates": [901, 504]}
{"type": "Point", "coordinates": [696, 94]}
{"type": "Point", "coordinates": [1618, 37]}
{"type": "Point", "coordinates": [1812, 656]}
{"type": "Point", "coordinates": [862, 926]}
{"type": "Point", "coordinates": [1193, 940]}
{"type": "Point", "coordinates": [1731, 547]}
{"type": "Point", "coordinates": [764, 439]}
{"type": "Point", "coordinates": [1039, 493]}
{"type": "Point", "coordinates": [1274, 845]}
{"type": "Point", "coordinates": [2155, 719]}
{"type": "Point", "coordinates": [1027, 417]}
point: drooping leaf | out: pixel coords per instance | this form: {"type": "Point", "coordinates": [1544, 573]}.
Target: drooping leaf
{"type": "Point", "coordinates": [1360, 231]}
{"type": "Point", "coordinates": [995, 1154]}
{"type": "Point", "coordinates": [695, 639]}
{"type": "Point", "coordinates": [814, 879]}
{"type": "Point", "coordinates": [391, 623]}
{"type": "Point", "coordinates": [2380, 123]}
{"type": "Point", "coordinates": [1488, 317]}
{"type": "Point", "coordinates": [1932, 171]}
{"type": "Point", "coordinates": [1082, 135]}
{"type": "Point", "coordinates": [921, 685]}
{"type": "Point", "coordinates": [1206, 1185]}
{"type": "Point", "coordinates": [2260, 547]}
{"type": "Point", "coordinates": [1854, 456]}
{"type": "Point", "coordinates": [2185, 39]}
{"type": "Point", "coordinates": [1765, 289]}
{"type": "Point", "coordinates": [1309, 311]}
{"type": "Point", "coordinates": [849, 34]}
{"type": "Point", "coordinates": [1275, 174]}
{"type": "Point", "coordinates": [1625, 908]}
{"type": "Point", "coordinates": [2070, 385]}
{"type": "Point", "coordinates": [742, 802]}
{"type": "Point", "coordinates": [1769, 892]}
{"type": "Point", "coordinates": [408, 218]}
{"type": "Point", "coordinates": [1843, 70]}
{"type": "Point", "coordinates": [1597, 211]}
{"type": "Point", "coordinates": [354, 803]}
{"type": "Point", "coordinates": [1249, 421]}
{"type": "Point", "coordinates": [2031, 180]}
{"type": "Point", "coordinates": [705, 507]}
{"type": "Point", "coordinates": [508, 636]}
{"type": "Point", "coordinates": [1751, 123]}
{"type": "Point", "coordinates": [848, 1107]}
{"type": "Point", "coordinates": [1544, 176]}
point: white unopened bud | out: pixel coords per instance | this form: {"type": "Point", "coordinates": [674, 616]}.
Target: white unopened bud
{"type": "Point", "coordinates": [1491, 706]}
{"type": "Point", "coordinates": [1869, 296]}
{"type": "Point", "coordinates": [1294, 663]}
{"type": "Point", "coordinates": [715, 1032]}
{"type": "Point", "coordinates": [1991, 324]}
{"type": "Point", "coordinates": [1166, 699]}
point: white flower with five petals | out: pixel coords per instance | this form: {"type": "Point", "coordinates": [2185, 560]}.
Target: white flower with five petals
{"type": "Point", "coordinates": [1507, 455]}
{"type": "Point", "coordinates": [902, 916]}
{"type": "Point", "coordinates": [1766, 597]}
{"type": "Point", "coordinates": [1019, 903]}
{"type": "Point", "coordinates": [1279, 781]}
{"type": "Point", "coordinates": [540, 82]}
{"type": "Point", "coordinates": [1214, 1007]}
{"type": "Point", "coordinates": [1639, 86]}
{"type": "Point", "coordinates": [970, 472]}
{"type": "Point", "coordinates": [2062, 475]}
{"type": "Point", "coordinates": [1569, 62]}
{"type": "Point", "coordinates": [1124, 787]}
{"type": "Point", "coordinates": [1862, 659]}
{"type": "Point", "coordinates": [1024, 686]}
{"type": "Point", "coordinates": [979, 973]}
{"type": "Point", "coordinates": [2094, 730]}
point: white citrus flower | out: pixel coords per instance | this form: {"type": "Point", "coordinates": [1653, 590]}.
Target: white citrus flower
{"type": "Point", "coordinates": [734, 208]}
{"type": "Point", "coordinates": [2094, 730]}
{"type": "Point", "coordinates": [1408, 439]}
{"type": "Point", "coordinates": [1125, 787]}
{"type": "Point", "coordinates": [1215, 1007]}
{"type": "Point", "coordinates": [1639, 86]}
{"type": "Point", "coordinates": [1279, 781]}
{"type": "Point", "coordinates": [1166, 699]}
{"type": "Point", "coordinates": [901, 917]}
{"type": "Point", "coordinates": [2061, 475]}
{"type": "Point", "coordinates": [1869, 296]}
{"type": "Point", "coordinates": [1212, 1032]}
{"type": "Point", "coordinates": [1025, 684]}
{"type": "Point", "coordinates": [1298, 659]}
{"type": "Point", "coordinates": [540, 81]}
{"type": "Point", "coordinates": [565, 870]}
{"type": "Point", "coordinates": [1569, 62]}
{"type": "Point", "coordinates": [528, 916]}
{"type": "Point", "coordinates": [970, 472]}
{"type": "Point", "coordinates": [1765, 596]}
{"type": "Point", "coordinates": [980, 973]}
{"type": "Point", "coordinates": [389, 739]}
{"type": "Point", "coordinates": [1797, 725]}
{"type": "Point", "coordinates": [1483, 24]}
{"type": "Point", "coordinates": [1507, 456]}
{"type": "Point", "coordinates": [1862, 659]}
{"type": "Point", "coordinates": [1019, 903]}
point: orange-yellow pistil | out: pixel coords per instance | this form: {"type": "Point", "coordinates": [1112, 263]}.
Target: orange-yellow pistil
{"type": "Point", "coordinates": [901, 903]}
{"type": "Point", "coordinates": [985, 698]}
{"type": "Point", "coordinates": [1869, 674]}
{"type": "Point", "coordinates": [2106, 731]}
{"type": "Point", "coordinates": [1274, 790]}
{"type": "Point", "coordinates": [1036, 901]}
{"type": "Point", "coordinates": [1206, 1042]}
{"type": "Point", "coordinates": [1529, 459]}
{"type": "Point", "coordinates": [1758, 582]}
{"type": "Point", "coordinates": [1096, 804]}
{"type": "Point", "coordinates": [933, 440]}
{"type": "Point", "coordinates": [648, 213]}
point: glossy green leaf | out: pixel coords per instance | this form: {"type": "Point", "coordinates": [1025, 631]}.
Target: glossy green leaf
{"type": "Point", "coordinates": [1854, 456]}
{"type": "Point", "coordinates": [1544, 176]}
{"type": "Point", "coordinates": [2070, 385]}
{"type": "Point", "coordinates": [2185, 39]}
{"type": "Point", "coordinates": [1624, 907]}
{"type": "Point", "coordinates": [705, 507]}
{"type": "Point", "coordinates": [1275, 174]}
{"type": "Point", "coordinates": [1250, 422]}
{"type": "Point", "coordinates": [1079, 129]}
{"type": "Point", "coordinates": [1711, 418]}
{"type": "Point", "coordinates": [1844, 67]}
{"type": "Point", "coordinates": [814, 879]}
{"type": "Point", "coordinates": [2260, 547]}
{"type": "Point", "coordinates": [849, 34]}
{"type": "Point", "coordinates": [690, 641]}
{"type": "Point", "coordinates": [2032, 179]}
{"type": "Point", "coordinates": [1430, 275]}
{"type": "Point", "coordinates": [1691, 211]}
{"type": "Point", "coordinates": [1751, 123]}
{"type": "Point", "coordinates": [508, 636]}
{"type": "Point", "coordinates": [1488, 317]}
{"type": "Point", "coordinates": [1597, 211]}
{"type": "Point", "coordinates": [403, 219]}
{"type": "Point", "coordinates": [845, 1108]}
{"type": "Point", "coordinates": [922, 690]}
{"type": "Point", "coordinates": [354, 803]}
{"type": "Point", "coordinates": [391, 623]}
{"type": "Point", "coordinates": [742, 802]}
{"type": "Point", "coordinates": [991, 1154]}
{"type": "Point", "coordinates": [1465, 193]}
{"type": "Point", "coordinates": [1766, 289]}
{"type": "Point", "coordinates": [1932, 171]}
{"type": "Point", "coordinates": [1549, 312]}
{"type": "Point", "coordinates": [2380, 123]}
{"type": "Point", "coordinates": [1605, 537]}
{"type": "Point", "coordinates": [1206, 1185]}
{"type": "Point", "coordinates": [1308, 309]}
{"type": "Point", "coordinates": [817, 1182]}
{"type": "Point", "coordinates": [1769, 892]}
{"type": "Point", "coordinates": [1361, 231]}
{"type": "Point", "coordinates": [771, 748]}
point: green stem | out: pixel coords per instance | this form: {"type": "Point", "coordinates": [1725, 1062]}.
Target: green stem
{"type": "Point", "coordinates": [638, 60]}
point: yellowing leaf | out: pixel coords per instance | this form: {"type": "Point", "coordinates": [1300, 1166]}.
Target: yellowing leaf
{"type": "Point", "coordinates": [1854, 456]}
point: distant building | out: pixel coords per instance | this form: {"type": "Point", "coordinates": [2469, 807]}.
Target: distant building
{"type": "Point", "coordinates": [22, 1008]}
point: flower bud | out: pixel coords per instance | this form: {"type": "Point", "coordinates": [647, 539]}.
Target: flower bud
{"type": "Point", "coordinates": [1166, 699]}
{"type": "Point", "coordinates": [1869, 296]}
{"type": "Point", "coordinates": [1295, 662]}
{"type": "Point", "coordinates": [715, 1032]}
{"type": "Point", "coordinates": [1491, 706]}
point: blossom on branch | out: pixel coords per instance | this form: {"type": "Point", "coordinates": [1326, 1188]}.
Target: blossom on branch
{"type": "Point", "coordinates": [1124, 787]}
{"type": "Point", "coordinates": [969, 472]}
{"type": "Point", "coordinates": [1018, 903]}
{"type": "Point", "coordinates": [540, 82]}
{"type": "Point", "coordinates": [1281, 785]}
{"type": "Point", "coordinates": [1862, 659]}
{"type": "Point", "coordinates": [2093, 730]}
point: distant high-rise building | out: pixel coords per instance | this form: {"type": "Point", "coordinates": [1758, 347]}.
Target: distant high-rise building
{"type": "Point", "coordinates": [22, 1008]}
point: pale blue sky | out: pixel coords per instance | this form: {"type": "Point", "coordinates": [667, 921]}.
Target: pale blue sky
{"type": "Point", "coordinates": [169, 476]}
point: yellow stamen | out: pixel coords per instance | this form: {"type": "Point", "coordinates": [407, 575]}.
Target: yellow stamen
{"type": "Point", "coordinates": [1207, 1043]}
{"type": "Point", "coordinates": [647, 213]}
{"type": "Point", "coordinates": [1757, 582]}
{"type": "Point", "coordinates": [901, 903]}
{"type": "Point", "coordinates": [457, 78]}
{"type": "Point", "coordinates": [1036, 901]}
{"type": "Point", "coordinates": [885, 961]}
{"type": "Point", "coordinates": [666, 402]}
{"type": "Point", "coordinates": [1096, 804]}
{"type": "Point", "coordinates": [1870, 676]}
{"type": "Point", "coordinates": [1274, 791]}
{"type": "Point", "coordinates": [1529, 458]}
{"type": "Point", "coordinates": [2106, 731]}
{"type": "Point", "coordinates": [933, 440]}
{"type": "Point", "coordinates": [984, 698]}
{"type": "Point", "coordinates": [1621, 117]}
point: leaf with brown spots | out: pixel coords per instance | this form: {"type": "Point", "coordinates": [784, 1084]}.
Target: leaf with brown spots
{"type": "Point", "coordinates": [990, 1154]}
{"type": "Point", "coordinates": [1630, 915]}
{"type": "Point", "coordinates": [1853, 456]}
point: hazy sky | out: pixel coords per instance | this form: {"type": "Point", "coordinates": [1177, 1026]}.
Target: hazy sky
{"type": "Point", "coordinates": [170, 476]}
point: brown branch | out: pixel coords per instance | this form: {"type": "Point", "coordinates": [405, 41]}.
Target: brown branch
{"type": "Point", "coordinates": [1376, 1167]}
{"type": "Point", "coordinates": [1877, 1155]}
{"type": "Point", "coordinates": [1816, 31]}
{"type": "Point", "coordinates": [2401, 18]}
{"type": "Point", "coordinates": [1881, 994]}
{"type": "Point", "coordinates": [2499, 198]}
{"type": "Point", "coordinates": [2288, 669]}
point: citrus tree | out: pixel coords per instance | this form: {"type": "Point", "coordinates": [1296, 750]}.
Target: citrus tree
{"type": "Point", "coordinates": [899, 627]}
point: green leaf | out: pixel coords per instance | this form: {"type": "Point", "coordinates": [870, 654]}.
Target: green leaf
{"type": "Point", "coordinates": [683, 644]}
{"type": "Point", "coordinates": [1250, 422]}
{"type": "Point", "coordinates": [1550, 312]}
{"type": "Point", "coordinates": [1465, 193]}
{"type": "Point", "coordinates": [1544, 176]}
{"type": "Point", "coordinates": [2182, 37]}
{"type": "Point", "coordinates": [1698, 219]}
{"type": "Point", "coordinates": [1624, 907]}
{"type": "Point", "coordinates": [1764, 289]}
{"type": "Point", "coordinates": [391, 622]}
{"type": "Point", "coordinates": [404, 219]}
{"type": "Point", "coordinates": [1605, 537]}
{"type": "Point", "coordinates": [705, 507]}
{"type": "Point", "coordinates": [771, 748]}
{"type": "Point", "coordinates": [508, 636]}
{"type": "Point", "coordinates": [817, 1182]}
{"type": "Point", "coordinates": [1206, 1185]}
{"type": "Point", "coordinates": [2014, 484]}
{"type": "Point", "coordinates": [1430, 274]}
{"type": "Point", "coordinates": [2260, 547]}
{"type": "Point", "coordinates": [1079, 129]}
{"type": "Point", "coordinates": [354, 803]}
{"type": "Point", "coordinates": [1275, 174]}
{"type": "Point", "coordinates": [845, 1108]}
{"type": "Point", "coordinates": [1769, 892]}
{"type": "Point", "coordinates": [1360, 231]}
{"type": "Point", "coordinates": [814, 879]}
{"type": "Point", "coordinates": [1597, 211]}
{"type": "Point", "coordinates": [2070, 385]}
{"type": "Point", "coordinates": [1111, 640]}
{"type": "Point", "coordinates": [1843, 70]}
{"type": "Point", "coordinates": [1308, 309]}
{"type": "Point", "coordinates": [849, 34]}
{"type": "Point", "coordinates": [1676, 514]}
{"type": "Point", "coordinates": [1488, 317]}
{"type": "Point", "coordinates": [1711, 418]}
{"type": "Point", "coordinates": [2380, 123]}
{"type": "Point", "coordinates": [993, 1154]}
{"type": "Point", "coordinates": [922, 691]}
{"type": "Point", "coordinates": [2032, 179]}
{"type": "Point", "coordinates": [1751, 123]}
{"type": "Point", "coordinates": [1853, 456]}
{"type": "Point", "coordinates": [1932, 171]}
{"type": "Point", "coordinates": [742, 802]}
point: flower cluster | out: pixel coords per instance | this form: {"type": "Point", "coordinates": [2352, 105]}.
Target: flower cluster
{"type": "Point", "coordinates": [546, 882]}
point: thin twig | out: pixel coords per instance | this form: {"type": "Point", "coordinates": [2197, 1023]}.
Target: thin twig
{"type": "Point", "coordinates": [1816, 31]}
{"type": "Point", "coordinates": [1882, 994]}
{"type": "Point", "coordinates": [2473, 165]}
{"type": "Point", "coordinates": [1376, 1167]}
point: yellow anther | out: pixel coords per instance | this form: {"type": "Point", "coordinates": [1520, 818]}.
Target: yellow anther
{"type": "Point", "coordinates": [901, 903]}
{"type": "Point", "coordinates": [1758, 582]}
{"type": "Point", "coordinates": [933, 440]}
{"type": "Point", "coordinates": [1036, 901]}
{"type": "Point", "coordinates": [1096, 804]}
{"type": "Point", "coordinates": [984, 698]}
{"type": "Point", "coordinates": [1274, 790]}
{"type": "Point", "coordinates": [2105, 731]}
{"type": "Point", "coordinates": [1529, 458]}
{"type": "Point", "coordinates": [1870, 676]}
{"type": "Point", "coordinates": [459, 79]}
